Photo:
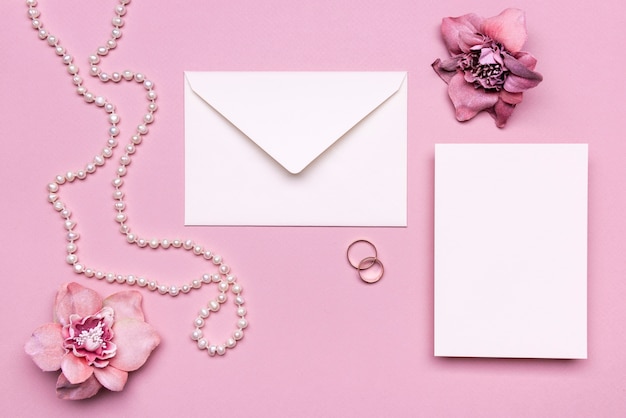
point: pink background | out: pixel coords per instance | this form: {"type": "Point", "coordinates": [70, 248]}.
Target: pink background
{"type": "Point", "coordinates": [320, 342]}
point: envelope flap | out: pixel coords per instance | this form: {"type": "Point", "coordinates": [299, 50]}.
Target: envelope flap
{"type": "Point", "coordinates": [295, 116]}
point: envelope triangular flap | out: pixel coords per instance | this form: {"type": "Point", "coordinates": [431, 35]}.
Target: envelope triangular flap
{"type": "Point", "coordinates": [295, 116]}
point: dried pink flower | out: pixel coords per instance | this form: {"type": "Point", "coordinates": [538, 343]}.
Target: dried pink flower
{"type": "Point", "coordinates": [94, 342]}
{"type": "Point", "coordinates": [487, 69]}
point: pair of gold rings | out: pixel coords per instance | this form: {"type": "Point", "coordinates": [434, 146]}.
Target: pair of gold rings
{"type": "Point", "coordinates": [367, 262]}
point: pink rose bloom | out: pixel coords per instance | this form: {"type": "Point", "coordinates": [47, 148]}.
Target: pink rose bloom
{"type": "Point", "coordinates": [487, 69]}
{"type": "Point", "coordinates": [94, 342]}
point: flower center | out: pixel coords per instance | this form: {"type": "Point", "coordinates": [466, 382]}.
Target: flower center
{"type": "Point", "coordinates": [91, 339]}
{"type": "Point", "coordinates": [484, 66]}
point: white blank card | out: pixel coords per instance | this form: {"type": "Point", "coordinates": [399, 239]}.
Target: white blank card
{"type": "Point", "coordinates": [511, 250]}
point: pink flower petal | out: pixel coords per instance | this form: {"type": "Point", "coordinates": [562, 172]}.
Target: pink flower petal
{"type": "Point", "coordinates": [75, 369]}
{"type": "Point", "coordinates": [508, 28]}
{"type": "Point", "coordinates": [45, 347]}
{"type": "Point", "coordinates": [445, 69]}
{"type": "Point", "coordinates": [73, 298]}
{"type": "Point", "coordinates": [501, 113]}
{"type": "Point", "coordinates": [467, 99]}
{"type": "Point", "coordinates": [135, 341]}
{"type": "Point", "coordinates": [521, 77]}
{"type": "Point", "coordinates": [459, 33]}
{"type": "Point", "coordinates": [111, 378]}
{"type": "Point", "coordinates": [511, 98]}
{"type": "Point", "coordinates": [126, 304]}
{"type": "Point", "coordinates": [73, 392]}
{"type": "Point", "coordinates": [527, 59]}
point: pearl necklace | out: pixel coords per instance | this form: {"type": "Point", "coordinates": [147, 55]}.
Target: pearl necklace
{"type": "Point", "coordinates": [222, 277]}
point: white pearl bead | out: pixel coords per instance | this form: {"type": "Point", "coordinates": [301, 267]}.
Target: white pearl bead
{"type": "Point", "coordinates": [163, 289]}
{"type": "Point", "coordinates": [236, 289]}
{"type": "Point", "coordinates": [33, 13]}
{"type": "Point", "coordinates": [111, 44]}
{"type": "Point", "coordinates": [120, 278]}
{"type": "Point", "coordinates": [141, 242]}
{"type": "Point", "coordinates": [142, 129]}
{"type": "Point", "coordinates": [117, 182]}
{"type": "Point", "coordinates": [58, 205]}
{"type": "Point", "coordinates": [102, 50]}
{"type": "Point", "coordinates": [31, 3]}
{"type": "Point", "coordinates": [65, 213]}
{"type": "Point", "coordinates": [221, 298]}
{"type": "Point", "coordinates": [94, 59]}
{"type": "Point", "coordinates": [241, 311]}
{"type": "Point", "coordinates": [36, 24]}
{"type": "Point", "coordinates": [212, 350]}
{"type": "Point", "coordinates": [139, 77]}
{"type": "Point", "coordinates": [99, 275]}
{"type": "Point", "coordinates": [109, 107]}
{"type": "Point", "coordinates": [217, 259]}
{"type": "Point", "coordinates": [142, 281]}
{"type": "Point", "coordinates": [81, 174]}
{"type": "Point", "coordinates": [52, 197]}
{"type": "Point", "coordinates": [239, 300]}
{"type": "Point", "coordinates": [216, 278]}
{"type": "Point", "coordinates": [130, 148]}
{"type": "Point", "coordinates": [117, 22]}
{"type": "Point", "coordinates": [131, 238]}
{"type": "Point", "coordinates": [154, 243]}
{"type": "Point", "coordinates": [204, 312]}
{"type": "Point", "coordinates": [185, 288]}
{"type": "Point", "coordinates": [198, 322]}
{"type": "Point", "coordinates": [60, 51]}
{"type": "Point", "coordinates": [196, 335]}
{"type": "Point", "coordinates": [110, 277]}
{"type": "Point", "coordinates": [221, 350]}
{"type": "Point", "coordinates": [152, 285]}
{"type": "Point", "coordinates": [149, 85]}
{"type": "Point", "coordinates": [69, 224]}
{"type": "Point", "coordinates": [71, 259]}
{"type": "Point", "coordinates": [208, 255]}
{"type": "Point", "coordinates": [89, 97]}
{"type": "Point", "coordinates": [71, 247]}
{"type": "Point", "coordinates": [104, 77]}
{"type": "Point", "coordinates": [223, 286]}
{"type": "Point", "coordinates": [69, 176]}
{"type": "Point", "coordinates": [151, 95]}
{"type": "Point", "coordinates": [224, 269]}
{"type": "Point", "coordinates": [120, 10]}
{"type": "Point", "coordinates": [206, 278]}
{"type": "Point", "coordinates": [238, 335]}
{"type": "Point", "coordinates": [165, 243]}
{"type": "Point", "coordinates": [231, 342]}
{"type": "Point", "coordinates": [196, 284]}
{"type": "Point", "coordinates": [130, 279]}
{"type": "Point", "coordinates": [214, 306]}
{"type": "Point", "coordinates": [52, 40]}
{"type": "Point", "coordinates": [128, 75]}
{"type": "Point", "coordinates": [72, 69]}
{"type": "Point", "coordinates": [53, 187]}
{"type": "Point", "coordinates": [78, 268]}
{"type": "Point", "coordinates": [231, 279]}
{"type": "Point", "coordinates": [43, 34]}
{"type": "Point", "coordinates": [174, 290]}
{"type": "Point", "coordinates": [120, 217]}
{"type": "Point", "coordinates": [99, 101]}
{"type": "Point", "coordinates": [94, 70]}
{"type": "Point", "coordinates": [116, 77]}
{"type": "Point", "coordinates": [89, 272]}
{"type": "Point", "coordinates": [125, 160]}
{"type": "Point", "coordinates": [242, 323]}
{"type": "Point", "coordinates": [121, 171]}
{"type": "Point", "coordinates": [202, 344]}
{"type": "Point", "coordinates": [176, 243]}
{"type": "Point", "coordinates": [197, 250]}
{"type": "Point", "coordinates": [152, 107]}
{"type": "Point", "coordinates": [116, 33]}
{"type": "Point", "coordinates": [72, 236]}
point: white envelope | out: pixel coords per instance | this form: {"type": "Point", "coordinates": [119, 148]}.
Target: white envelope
{"type": "Point", "coordinates": [295, 148]}
{"type": "Point", "coordinates": [511, 250]}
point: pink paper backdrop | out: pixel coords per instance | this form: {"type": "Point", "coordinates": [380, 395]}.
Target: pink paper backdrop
{"type": "Point", "coordinates": [320, 342]}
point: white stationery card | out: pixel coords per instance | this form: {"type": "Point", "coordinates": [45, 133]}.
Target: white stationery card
{"type": "Point", "coordinates": [511, 250]}
{"type": "Point", "coordinates": [295, 148]}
